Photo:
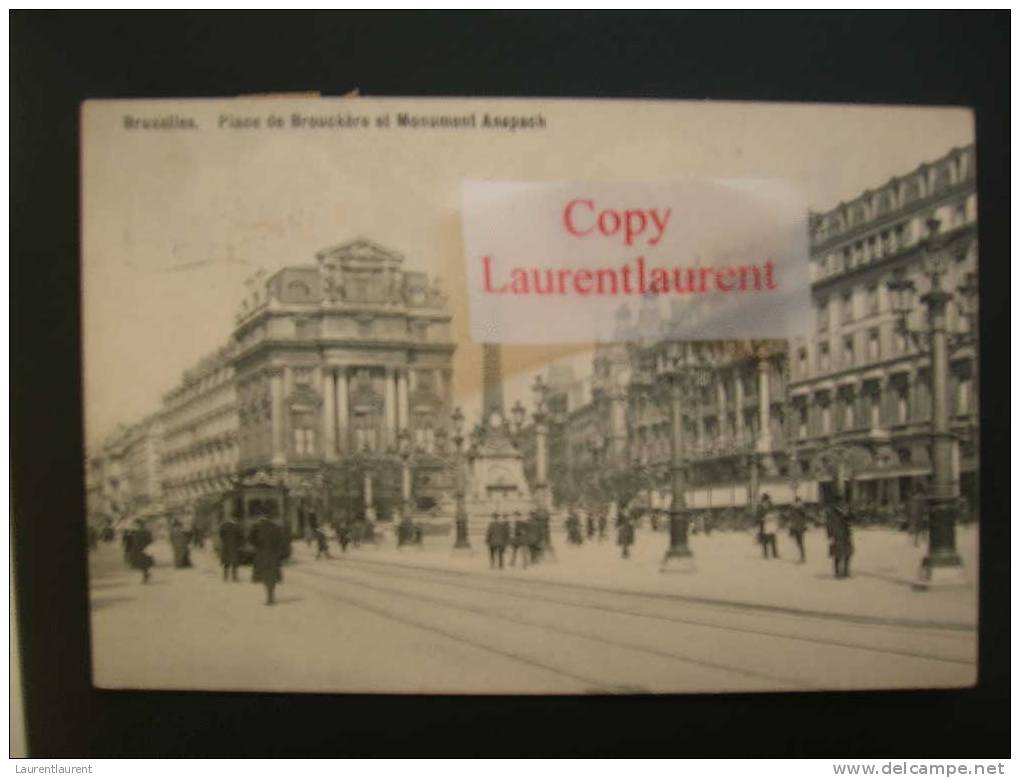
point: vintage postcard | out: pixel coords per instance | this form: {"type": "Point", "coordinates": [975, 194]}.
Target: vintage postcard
{"type": "Point", "coordinates": [530, 396]}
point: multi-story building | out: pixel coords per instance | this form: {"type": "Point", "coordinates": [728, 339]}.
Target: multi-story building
{"type": "Point", "coordinates": [774, 415]}
{"type": "Point", "coordinates": [200, 429]}
{"type": "Point", "coordinates": [345, 360]}
{"type": "Point", "coordinates": [858, 382]}
{"type": "Point", "coordinates": [130, 471]}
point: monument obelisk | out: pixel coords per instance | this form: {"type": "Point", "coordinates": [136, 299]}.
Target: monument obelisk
{"type": "Point", "coordinates": [492, 383]}
{"type": "Point", "coordinates": [497, 482]}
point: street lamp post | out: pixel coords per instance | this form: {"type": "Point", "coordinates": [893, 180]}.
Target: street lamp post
{"type": "Point", "coordinates": [943, 564]}
{"type": "Point", "coordinates": [541, 446]}
{"type": "Point", "coordinates": [682, 376]}
{"type": "Point", "coordinates": [404, 451]}
{"type": "Point", "coordinates": [461, 518]}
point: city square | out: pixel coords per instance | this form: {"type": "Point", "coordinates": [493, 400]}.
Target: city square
{"type": "Point", "coordinates": [652, 514]}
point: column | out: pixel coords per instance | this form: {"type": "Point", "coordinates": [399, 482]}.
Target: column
{"type": "Point", "coordinates": [764, 407]}
{"type": "Point", "coordinates": [720, 396]}
{"type": "Point", "coordinates": [369, 506]}
{"type": "Point", "coordinates": [342, 411]}
{"type": "Point", "coordinates": [541, 466]}
{"type": "Point", "coordinates": [276, 397]}
{"type": "Point", "coordinates": [328, 410]}
{"type": "Point", "coordinates": [390, 407]}
{"type": "Point", "coordinates": [738, 395]}
{"type": "Point", "coordinates": [403, 414]}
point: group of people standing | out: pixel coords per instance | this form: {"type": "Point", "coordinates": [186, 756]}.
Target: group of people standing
{"type": "Point", "coordinates": [270, 545]}
{"type": "Point", "coordinates": [525, 537]}
{"type": "Point", "coordinates": [797, 519]}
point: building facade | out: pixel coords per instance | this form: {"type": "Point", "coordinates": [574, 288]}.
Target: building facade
{"type": "Point", "coordinates": [345, 362]}
{"type": "Point", "coordinates": [855, 391]}
{"type": "Point", "coordinates": [200, 434]}
{"type": "Point", "coordinates": [858, 382]}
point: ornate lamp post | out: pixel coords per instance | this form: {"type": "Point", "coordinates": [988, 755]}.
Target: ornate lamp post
{"type": "Point", "coordinates": [517, 417]}
{"type": "Point", "coordinates": [404, 451]}
{"type": "Point", "coordinates": [942, 565]}
{"type": "Point", "coordinates": [539, 416]}
{"type": "Point", "coordinates": [682, 376]}
{"type": "Point", "coordinates": [461, 518]}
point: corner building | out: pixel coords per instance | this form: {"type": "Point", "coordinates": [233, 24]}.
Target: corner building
{"type": "Point", "coordinates": [334, 363]}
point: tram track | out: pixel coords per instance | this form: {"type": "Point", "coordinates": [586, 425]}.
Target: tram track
{"type": "Point", "coordinates": [436, 577]}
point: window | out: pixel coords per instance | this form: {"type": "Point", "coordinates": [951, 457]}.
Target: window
{"type": "Point", "coordinates": [802, 422]}
{"type": "Point", "coordinates": [826, 419]}
{"type": "Point", "coordinates": [847, 307]}
{"type": "Point", "coordinates": [872, 299]}
{"type": "Point", "coordinates": [963, 395]}
{"type": "Point", "coordinates": [823, 356]}
{"type": "Point", "coordinates": [899, 342]}
{"type": "Point", "coordinates": [876, 411]}
{"type": "Point", "coordinates": [960, 214]}
{"type": "Point", "coordinates": [872, 252]}
{"type": "Point", "coordinates": [802, 361]}
{"type": "Point", "coordinates": [823, 315]}
{"type": "Point", "coordinates": [873, 346]}
{"type": "Point", "coordinates": [848, 351]}
{"type": "Point", "coordinates": [848, 412]}
{"type": "Point", "coordinates": [304, 441]}
{"type": "Point", "coordinates": [902, 405]}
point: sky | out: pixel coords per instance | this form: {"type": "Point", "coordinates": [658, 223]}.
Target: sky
{"type": "Point", "coordinates": [175, 220]}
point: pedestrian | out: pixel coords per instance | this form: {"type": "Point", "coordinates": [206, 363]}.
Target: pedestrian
{"type": "Point", "coordinates": [798, 526]}
{"type": "Point", "coordinates": [125, 542]}
{"type": "Point", "coordinates": [535, 537]}
{"type": "Point", "coordinates": [140, 539]}
{"type": "Point", "coordinates": [231, 538]}
{"type": "Point", "coordinates": [590, 525]}
{"type": "Point", "coordinates": [624, 535]}
{"type": "Point", "coordinates": [917, 513]}
{"type": "Point", "coordinates": [603, 523]}
{"type": "Point", "coordinates": [343, 535]}
{"type": "Point", "coordinates": [840, 531]}
{"type": "Point", "coordinates": [768, 526]}
{"type": "Point", "coordinates": [520, 541]}
{"type": "Point", "coordinates": [179, 544]}
{"type": "Point", "coordinates": [574, 528]}
{"type": "Point", "coordinates": [496, 538]}
{"type": "Point", "coordinates": [321, 543]}
{"type": "Point", "coordinates": [267, 536]}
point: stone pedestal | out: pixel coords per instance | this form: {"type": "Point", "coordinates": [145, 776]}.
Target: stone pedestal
{"type": "Point", "coordinates": [496, 481]}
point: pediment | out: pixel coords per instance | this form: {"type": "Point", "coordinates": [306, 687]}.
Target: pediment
{"type": "Point", "coordinates": [360, 253]}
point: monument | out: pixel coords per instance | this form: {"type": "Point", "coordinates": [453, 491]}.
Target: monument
{"type": "Point", "coordinates": [496, 481]}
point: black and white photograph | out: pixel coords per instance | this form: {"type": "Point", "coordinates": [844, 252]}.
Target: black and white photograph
{"type": "Point", "coordinates": [341, 438]}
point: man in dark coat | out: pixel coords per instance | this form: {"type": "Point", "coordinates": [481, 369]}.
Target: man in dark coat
{"type": "Point", "coordinates": [521, 541]}
{"type": "Point", "coordinates": [625, 535]}
{"type": "Point", "coordinates": [574, 528]}
{"type": "Point", "coordinates": [839, 528]}
{"type": "Point", "coordinates": [343, 535]}
{"type": "Point", "coordinates": [267, 537]}
{"type": "Point", "coordinates": [536, 537]}
{"type": "Point", "coordinates": [497, 537]}
{"type": "Point", "coordinates": [140, 539]}
{"type": "Point", "coordinates": [231, 538]}
{"type": "Point", "coordinates": [798, 525]}
{"type": "Point", "coordinates": [179, 543]}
